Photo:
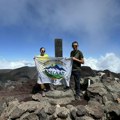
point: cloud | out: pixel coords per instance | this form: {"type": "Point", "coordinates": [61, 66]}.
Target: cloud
{"type": "Point", "coordinates": [5, 64]}
{"type": "Point", "coordinates": [90, 20]}
{"type": "Point", "coordinates": [110, 61]}
{"type": "Point", "coordinates": [90, 16]}
{"type": "Point", "coordinates": [11, 12]}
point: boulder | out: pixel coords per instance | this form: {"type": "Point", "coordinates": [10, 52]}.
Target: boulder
{"type": "Point", "coordinates": [81, 110]}
{"type": "Point", "coordinates": [59, 94]}
{"type": "Point", "coordinates": [60, 97]}
{"type": "Point", "coordinates": [3, 105]}
{"type": "Point", "coordinates": [32, 106]}
{"type": "Point", "coordinates": [111, 74]}
{"type": "Point", "coordinates": [71, 108]}
{"type": "Point", "coordinates": [10, 111]}
{"type": "Point", "coordinates": [63, 115]}
{"type": "Point", "coordinates": [95, 109]}
{"type": "Point", "coordinates": [73, 114]}
{"type": "Point", "coordinates": [85, 118]}
{"type": "Point", "coordinates": [23, 116]}
{"type": "Point", "coordinates": [37, 97]}
{"type": "Point", "coordinates": [31, 116]}
{"type": "Point", "coordinates": [87, 81]}
{"type": "Point", "coordinates": [113, 111]}
{"type": "Point", "coordinates": [29, 106]}
{"type": "Point", "coordinates": [42, 115]}
{"type": "Point", "coordinates": [51, 110]}
{"type": "Point", "coordinates": [62, 112]}
{"type": "Point", "coordinates": [112, 86]}
{"type": "Point", "coordinates": [87, 71]}
{"type": "Point", "coordinates": [60, 101]}
{"type": "Point", "coordinates": [97, 88]}
{"type": "Point", "coordinates": [96, 92]}
{"type": "Point", "coordinates": [16, 113]}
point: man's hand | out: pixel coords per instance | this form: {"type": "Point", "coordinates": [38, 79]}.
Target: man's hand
{"type": "Point", "coordinates": [74, 58]}
{"type": "Point", "coordinates": [81, 61]}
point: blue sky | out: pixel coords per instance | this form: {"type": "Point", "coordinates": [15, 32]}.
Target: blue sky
{"type": "Point", "coordinates": [27, 25]}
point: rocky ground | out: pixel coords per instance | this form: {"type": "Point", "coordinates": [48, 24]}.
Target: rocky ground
{"type": "Point", "coordinates": [100, 97]}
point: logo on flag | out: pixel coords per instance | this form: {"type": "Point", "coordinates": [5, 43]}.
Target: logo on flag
{"type": "Point", "coordinates": [55, 71]}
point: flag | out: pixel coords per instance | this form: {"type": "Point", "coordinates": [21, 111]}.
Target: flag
{"type": "Point", "coordinates": [54, 70]}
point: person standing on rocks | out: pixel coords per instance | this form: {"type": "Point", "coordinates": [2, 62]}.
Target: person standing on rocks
{"type": "Point", "coordinates": [78, 59]}
{"type": "Point", "coordinates": [41, 57]}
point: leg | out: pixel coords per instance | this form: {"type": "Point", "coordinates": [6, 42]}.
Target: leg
{"type": "Point", "coordinates": [42, 86]}
{"type": "Point", "coordinates": [76, 75]}
{"type": "Point", "coordinates": [42, 89]}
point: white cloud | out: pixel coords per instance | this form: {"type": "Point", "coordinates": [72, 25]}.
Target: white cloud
{"type": "Point", "coordinates": [86, 15]}
{"type": "Point", "coordinates": [110, 61]}
{"type": "Point", "coordinates": [91, 20]}
{"type": "Point", "coordinates": [5, 64]}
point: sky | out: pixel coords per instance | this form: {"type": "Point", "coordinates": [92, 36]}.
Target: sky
{"type": "Point", "coordinates": [27, 25]}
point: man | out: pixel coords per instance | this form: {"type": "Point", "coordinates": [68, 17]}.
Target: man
{"type": "Point", "coordinates": [41, 57]}
{"type": "Point", "coordinates": [78, 59]}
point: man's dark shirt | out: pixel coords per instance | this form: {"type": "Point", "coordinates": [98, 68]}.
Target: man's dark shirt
{"type": "Point", "coordinates": [79, 55]}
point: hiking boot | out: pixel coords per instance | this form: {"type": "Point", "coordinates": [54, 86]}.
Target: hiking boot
{"type": "Point", "coordinates": [66, 88]}
{"type": "Point", "coordinates": [82, 93]}
{"type": "Point", "coordinates": [77, 97]}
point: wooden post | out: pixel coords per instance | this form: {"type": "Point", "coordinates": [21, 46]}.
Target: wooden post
{"type": "Point", "coordinates": [58, 48]}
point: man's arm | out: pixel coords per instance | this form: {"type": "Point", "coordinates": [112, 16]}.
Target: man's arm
{"type": "Point", "coordinates": [81, 61]}
{"type": "Point", "coordinates": [77, 56]}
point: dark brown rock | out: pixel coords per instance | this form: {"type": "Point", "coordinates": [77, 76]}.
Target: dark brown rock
{"type": "Point", "coordinates": [95, 109]}
{"type": "Point", "coordinates": [51, 110]}
{"type": "Point", "coordinates": [81, 111]}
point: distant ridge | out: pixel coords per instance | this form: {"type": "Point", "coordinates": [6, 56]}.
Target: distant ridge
{"type": "Point", "coordinates": [5, 70]}
{"type": "Point", "coordinates": [31, 72]}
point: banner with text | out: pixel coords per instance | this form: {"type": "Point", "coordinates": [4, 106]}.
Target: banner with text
{"type": "Point", "coordinates": [54, 70]}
